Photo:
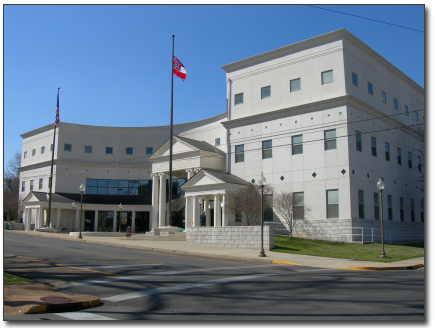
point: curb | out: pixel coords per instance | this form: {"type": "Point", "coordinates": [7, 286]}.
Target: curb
{"type": "Point", "coordinates": [409, 267]}
{"type": "Point", "coordinates": [66, 307]}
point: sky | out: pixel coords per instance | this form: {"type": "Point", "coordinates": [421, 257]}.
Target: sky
{"type": "Point", "coordinates": [112, 62]}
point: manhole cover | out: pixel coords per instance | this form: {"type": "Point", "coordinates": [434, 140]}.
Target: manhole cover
{"type": "Point", "coordinates": [56, 299]}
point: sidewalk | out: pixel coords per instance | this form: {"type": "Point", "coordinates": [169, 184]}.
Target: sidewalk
{"type": "Point", "coordinates": [27, 298]}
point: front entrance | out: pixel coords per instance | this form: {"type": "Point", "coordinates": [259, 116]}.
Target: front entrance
{"type": "Point", "coordinates": [123, 221]}
{"type": "Point", "coordinates": [105, 221]}
{"type": "Point", "coordinates": [89, 221]}
{"type": "Point", "coordinates": [142, 222]}
{"type": "Point", "coordinates": [178, 219]}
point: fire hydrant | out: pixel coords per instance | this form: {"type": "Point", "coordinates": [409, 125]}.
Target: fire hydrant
{"type": "Point", "coordinates": [128, 232]}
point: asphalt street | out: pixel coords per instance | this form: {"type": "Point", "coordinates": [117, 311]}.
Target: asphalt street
{"type": "Point", "coordinates": [135, 284]}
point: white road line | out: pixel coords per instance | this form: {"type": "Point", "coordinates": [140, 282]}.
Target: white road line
{"type": "Point", "coordinates": [142, 276]}
{"type": "Point", "coordinates": [8, 254]}
{"type": "Point", "coordinates": [83, 316]}
{"type": "Point", "coordinates": [119, 266]}
{"type": "Point", "coordinates": [148, 292]}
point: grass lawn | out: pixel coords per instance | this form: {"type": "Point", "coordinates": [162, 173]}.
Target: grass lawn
{"type": "Point", "coordinates": [10, 279]}
{"type": "Point", "coordinates": [363, 252]}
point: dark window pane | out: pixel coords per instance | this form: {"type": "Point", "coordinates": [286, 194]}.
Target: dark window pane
{"type": "Point", "coordinates": [123, 183]}
{"type": "Point", "coordinates": [112, 191]}
{"type": "Point", "coordinates": [265, 92]}
{"type": "Point", "coordinates": [113, 183]}
{"type": "Point", "coordinates": [123, 191]}
{"type": "Point", "coordinates": [238, 99]}
{"type": "Point", "coordinates": [91, 182]}
{"type": "Point", "coordinates": [102, 190]}
{"type": "Point", "coordinates": [102, 183]}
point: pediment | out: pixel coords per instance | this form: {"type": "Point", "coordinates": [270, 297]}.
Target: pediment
{"type": "Point", "coordinates": [202, 178]}
{"type": "Point", "coordinates": [178, 146]}
{"type": "Point", "coordinates": [31, 198]}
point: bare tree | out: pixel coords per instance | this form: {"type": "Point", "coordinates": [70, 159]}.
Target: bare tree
{"type": "Point", "coordinates": [291, 208]}
{"type": "Point", "coordinates": [12, 204]}
{"type": "Point", "coordinates": [245, 204]}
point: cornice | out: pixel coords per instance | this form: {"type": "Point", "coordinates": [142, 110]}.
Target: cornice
{"type": "Point", "coordinates": [79, 163]}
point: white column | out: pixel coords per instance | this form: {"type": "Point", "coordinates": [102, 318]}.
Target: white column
{"type": "Point", "coordinates": [155, 202]}
{"type": "Point", "coordinates": [114, 221]}
{"type": "Point", "coordinates": [36, 219]}
{"type": "Point", "coordinates": [189, 173]}
{"type": "Point", "coordinates": [162, 200]}
{"type": "Point", "coordinates": [195, 211]}
{"type": "Point", "coordinates": [44, 216]}
{"type": "Point", "coordinates": [28, 218]}
{"type": "Point", "coordinates": [133, 221]}
{"type": "Point", "coordinates": [187, 218]}
{"type": "Point", "coordinates": [96, 221]}
{"type": "Point", "coordinates": [217, 210]}
{"type": "Point", "coordinates": [76, 221]}
{"type": "Point", "coordinates": [58, 219]}
{"type": "Point", "coordinates": [207, 212]}
{"type": "Point", "coordinates": [224, 206]}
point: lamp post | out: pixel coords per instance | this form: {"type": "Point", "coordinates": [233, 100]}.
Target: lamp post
{"type": "Point", "coordinates": [381, 186]}
{"type": "Point", "coordinates": [82, 189]}
{"type": "Point", "coordinates": [261, 182]}
{"type": "Point", "coordinates": [74, 207]}
{"type": "Point", "coordinates": [120, 209]}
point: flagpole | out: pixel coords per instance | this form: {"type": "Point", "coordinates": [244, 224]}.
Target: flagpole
{"type": "Point", "coordinates": [56, 121]}
{"type": "Point", "coordinates": [170, 138]}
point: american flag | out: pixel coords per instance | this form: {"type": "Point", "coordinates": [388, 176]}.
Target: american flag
{"type": "Point", "coordinates": [56, 118]}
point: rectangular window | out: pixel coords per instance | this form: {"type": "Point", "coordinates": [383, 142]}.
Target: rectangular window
{"type": "Point", "coordinates": [298, 209]}
{"type": "Point", "coordinates": [25, 154]}
{"type": "Point", "coordinates": [265, 92]}
{"type": "Point", "coordinates": [370, 88]}
{"type": "Point", "coordinates": [358, 140]}
{"type": "Point", "coordinates": [409, 160]}
{"type": "Point", "coordinates": [67, 147]}
{"type": "Point", "coordinates": [33, 152]}
{"type": "Point", "coordinates": [402, 214]}
{"type": "Point", "coordinates": [51, 147]}
{"type": "Point", "coordinates": [332, 204]}
{"type": "Point", "coordinates": [361, 204]}
{"type": "Point", "coordinates": [406, 110]}
{"type": "Point", "coordinates": [268, 209]}
{"type": "Point", "coordinates": [330, 140]}
{"type": "Point", "coordinates": [419, 163]}
{"type": "Point", "coordinates": [354, 79]}
{"type": "Point", "coordinates": [23, 186]}
{"type": "Point", "coordinates": [88, 149]}
{"type": "Point", "coordinates": [238, 99]}
{"type": "Point", "coordinates": [387, 151]}
{"type": "Point", "coordinates": [390, 207]}
{"type": "Point", "coordinates": [295, 85]}
{"type": "Point", "coordinates": [396, 104]}
{"type": "Point", "coordinates": [399, 156]}
{"type": "Point", "coordinates": [129, 151]}
{"type": "Point", "coordinates": [297, 146]}
{"type": "Point", "coordinates": [412, 211]}
{"type": "Point", "coordinates": [217, 142]}
{"type": "Point", "coordinates": [40, 183]}
{"type": "Point", "coordinates": [422, 210]}
{"type": "Point", "coordinates": [376, 199]}
{"type": "Point", "coordinates": [267, 149]}
{"type": "Point", "coordinates": [416, 116]}
{"type": "Point", "coordinates": [149, 150]}
{"type": "Point", "coordinates": [109, 150]}
{"type": "Point", "coordinates": [240, 153]}
{"type": "Point", "coordinates": [42, 150]}
{"type": "Point", "coordinates": [327, 77]}
{"type": "Point", "coordinates": [31, 184]}
{"type": "Point", "coordinates": [384, 96]}
{"type": "Point", "coordinates": [374, 147]}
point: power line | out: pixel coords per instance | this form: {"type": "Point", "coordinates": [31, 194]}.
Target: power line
{"type": "Point", "coordinates": [339, 12]}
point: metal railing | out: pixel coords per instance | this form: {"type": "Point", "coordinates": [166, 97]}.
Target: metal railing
{"type": "Point", "coordinates": [371, 235]}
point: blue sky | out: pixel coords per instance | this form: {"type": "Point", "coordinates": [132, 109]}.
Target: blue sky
{"type": "Point", "coordinates": [112, 63]}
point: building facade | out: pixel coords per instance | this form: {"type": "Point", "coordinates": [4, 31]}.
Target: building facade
{"type": "Point", "coordinates": [324, 118]}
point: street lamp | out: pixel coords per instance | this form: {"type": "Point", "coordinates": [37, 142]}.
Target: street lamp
{"type": "Point", "coordinates": [120, 209]}
{"type": "Point", "coordinates": [381, 186]}
{"type": "Point", "coordinates": [82, 189]}
{"type": "Point", "coordinates": [261, 182]}
{"type": "Point", "coordinates": [74, 207]}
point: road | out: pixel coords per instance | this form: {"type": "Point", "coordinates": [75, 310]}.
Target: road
{"type": "Point", "coordinates": [135, 284]}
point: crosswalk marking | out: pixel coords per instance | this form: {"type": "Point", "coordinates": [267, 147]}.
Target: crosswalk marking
{"type": "Point", "coordinates": [120, 266]}
{"type": "Point", "coordinates": [80, 315]}
{"type": "Point", "coordinates": [139, 277]}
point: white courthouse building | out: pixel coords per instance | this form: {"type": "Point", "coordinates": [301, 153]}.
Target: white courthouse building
{"type": "Point", "coordinates": [324, 118]}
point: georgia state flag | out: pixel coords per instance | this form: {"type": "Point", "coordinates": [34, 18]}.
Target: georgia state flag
{"type": "Point", "coordinates": [178, 69]}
